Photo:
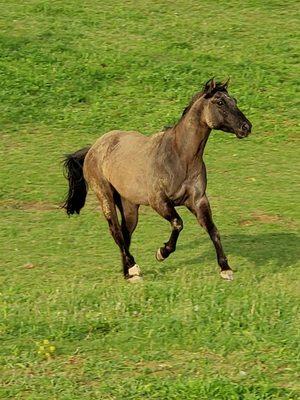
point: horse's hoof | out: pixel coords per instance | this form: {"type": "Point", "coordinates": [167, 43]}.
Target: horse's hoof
{"type": "Point", "coordinates": [227, 274]}
{"type": "Point", "coordinates": [159, 256]}
{"type": "Point", "coordinates": [134, 274]}
{"type": "Point", "coordinates": [134, 279]}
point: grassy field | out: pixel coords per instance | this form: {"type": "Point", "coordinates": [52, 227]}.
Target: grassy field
{"type": "Point", "coordinates": [70, 327]}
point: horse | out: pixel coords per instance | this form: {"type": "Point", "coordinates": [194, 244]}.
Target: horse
{"type": "Point", "coordinates": [127, 169]}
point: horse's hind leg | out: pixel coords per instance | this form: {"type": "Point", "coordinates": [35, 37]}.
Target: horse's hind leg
{"type": "Point", "coordinates": [129, 215]}
{"type": "Point", "coordinates": [167, 211]}
{"type": "Point", "coordinates": [105, 194]}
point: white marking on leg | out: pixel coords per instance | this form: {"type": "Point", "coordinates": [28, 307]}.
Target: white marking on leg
{"type": "Point", "coordinates": [227, 274]}
{"type": "Point", "coordinates": [134, 271]}
{"type": "Point", "coordinates": [134, 274]}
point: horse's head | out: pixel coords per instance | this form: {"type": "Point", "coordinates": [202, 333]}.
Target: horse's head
{"type": "Point", "coordinates": [220, 110]}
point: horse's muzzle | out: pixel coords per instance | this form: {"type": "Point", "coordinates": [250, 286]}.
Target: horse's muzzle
{"type": "Point", "coordinates": [244, 130]}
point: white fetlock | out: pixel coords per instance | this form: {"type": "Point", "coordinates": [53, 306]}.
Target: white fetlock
{"type": "Point", "coordinates": [227, 274]}
{"type": "Point", "coordinates": [159, 256]}
{"type": "Point", "coordinates": [134, 274]}
{"type": "Point", "coordinates": [134, 271]}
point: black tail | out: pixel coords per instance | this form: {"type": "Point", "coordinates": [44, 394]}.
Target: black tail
{"type": "Point", "coordinates": [73, 164]}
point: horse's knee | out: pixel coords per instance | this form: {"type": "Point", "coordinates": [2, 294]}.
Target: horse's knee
{"type": "Point", "coordinates": [177, 224]}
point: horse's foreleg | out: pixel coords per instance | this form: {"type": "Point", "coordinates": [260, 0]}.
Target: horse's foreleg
{"type": "Point", "coordinates": [201, 209]}
{"type": "Point", "coordinates": [168, 212]}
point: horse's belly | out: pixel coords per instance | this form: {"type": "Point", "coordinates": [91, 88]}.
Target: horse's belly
{"type": "Point", "coordinates": [134, 193]}
{"type": "Point", "coordinates": [131, 186]}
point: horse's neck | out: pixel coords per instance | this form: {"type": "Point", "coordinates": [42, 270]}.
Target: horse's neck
{"type": "Point", "coordinates": [191, 135]}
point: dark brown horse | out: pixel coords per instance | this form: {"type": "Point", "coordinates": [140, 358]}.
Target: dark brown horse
{"type": "Point", "coordinates": [165, 170]}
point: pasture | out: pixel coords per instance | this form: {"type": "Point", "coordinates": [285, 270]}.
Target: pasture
{"type": "Point", "coordinates": [71, 327]}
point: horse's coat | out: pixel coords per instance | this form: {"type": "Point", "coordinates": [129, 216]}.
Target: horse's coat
{"type": "Point", "coordinates": [165, 170]}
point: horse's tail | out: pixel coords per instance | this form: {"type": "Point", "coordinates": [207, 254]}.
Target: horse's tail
{"type": "Point", "coordinates": [73, 164]}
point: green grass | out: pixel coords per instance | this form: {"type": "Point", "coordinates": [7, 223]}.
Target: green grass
{"type": "Point", "coordinates": [70, 71]}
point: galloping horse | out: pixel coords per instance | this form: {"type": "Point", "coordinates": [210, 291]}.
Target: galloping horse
{"type": "Point", "coordinates": [164, 170]}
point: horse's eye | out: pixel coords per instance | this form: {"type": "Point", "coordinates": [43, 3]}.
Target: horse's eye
{"type": "Point", "coordinates": [220, 102]}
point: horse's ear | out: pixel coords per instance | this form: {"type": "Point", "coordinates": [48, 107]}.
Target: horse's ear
{"type": "Point", "coordinates": [209, 87]}
{"type": "Point", "coordinates": [225, 83]}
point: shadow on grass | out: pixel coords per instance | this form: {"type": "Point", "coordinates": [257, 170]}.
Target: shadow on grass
{"type": "Point", "coordinates": [280, 249]}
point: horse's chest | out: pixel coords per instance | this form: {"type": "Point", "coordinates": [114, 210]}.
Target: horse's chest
{"type": "Point", "coordinates": [181, 191]}
{"type": "Point", "coordinates": [184, 185]}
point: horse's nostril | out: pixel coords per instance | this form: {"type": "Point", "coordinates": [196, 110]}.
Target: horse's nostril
{"type": "Point", "coordinates": [245, 127]}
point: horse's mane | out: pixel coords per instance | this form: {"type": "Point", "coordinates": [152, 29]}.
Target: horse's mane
{"type": "Point", "coordinates": [218, 88]}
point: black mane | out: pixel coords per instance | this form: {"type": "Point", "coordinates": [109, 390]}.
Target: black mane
{"type": "Point", "coordinates": [220, 87]}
